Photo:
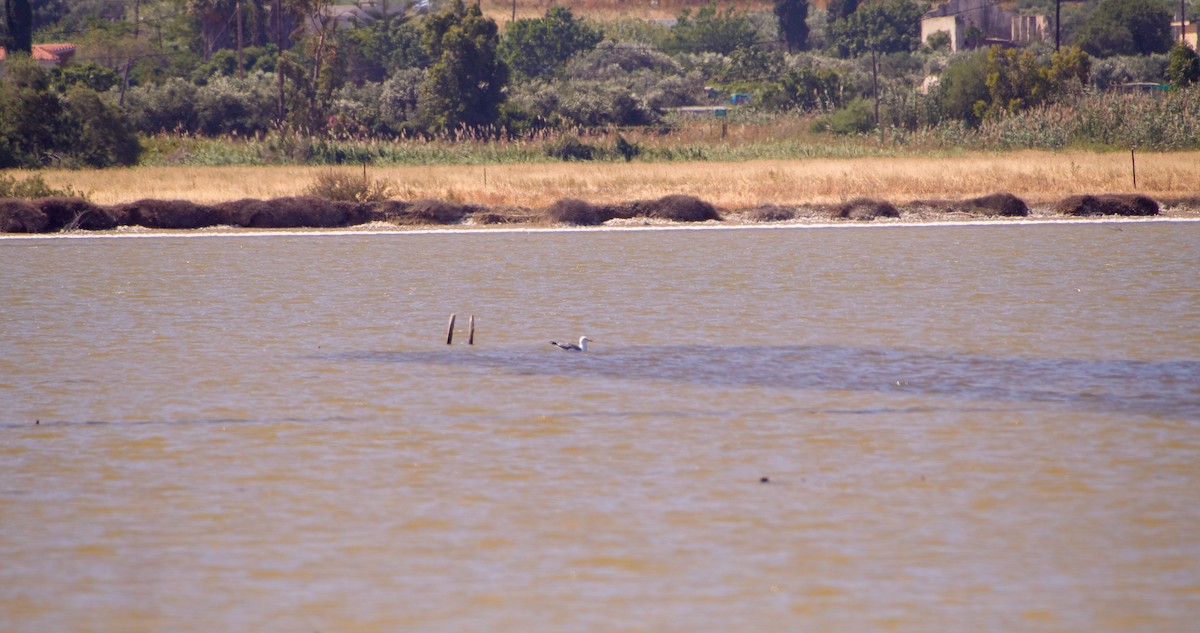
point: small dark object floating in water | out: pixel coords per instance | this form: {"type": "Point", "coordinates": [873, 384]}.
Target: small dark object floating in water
{"type": "Point", "coordinates": [571, 347]}
{"type": "Point", "coordinates": [764, 480]}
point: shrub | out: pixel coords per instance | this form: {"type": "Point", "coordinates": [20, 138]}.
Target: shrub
{"type": "Point", "coordinates": [938, 41]}
{"type": "Point", "coordinates": [1114, 71]}
{"type": "Point", "coordinates": [35, 187]}
{"type": "Point", "coordinates": [168, 107]}
{"type": "Point", "coordinates": [802, 89]}
{"type": "Point", "coordinates": [611, 59]}
{"type": "Point", "coordinates": [627, 150]}
{"type": "Point", "coordinates": [348, 187]}
{"type": "Point", "coordinates": [1183, 69]}
{"type": "Point", "coordinates": [228, 105]}
{"type": "Point", "coordinates": [602, 103]}
{"type": "Point", "coordinates": [962, 91]}
{"type": "Point", "coordinates": [398, 102]}
{"type": "Point", "coordinates": [865, 209]}
{"type": "Point", "coordinates": [856, 118]}
{"type": "Point", "coordinates": [101, 134]}
{"type": "Point", "coordinates": [569, 148]}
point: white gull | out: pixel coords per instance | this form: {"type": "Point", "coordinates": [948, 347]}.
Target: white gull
{"type": "Point", "coordinates": [571, 347]}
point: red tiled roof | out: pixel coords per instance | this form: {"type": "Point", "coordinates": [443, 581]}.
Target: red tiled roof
{"type": "Point", "coordinates": [46, 52]}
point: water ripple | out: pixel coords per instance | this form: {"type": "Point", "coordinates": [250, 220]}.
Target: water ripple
{"type": "Point", "coordinates": [1161, 388]}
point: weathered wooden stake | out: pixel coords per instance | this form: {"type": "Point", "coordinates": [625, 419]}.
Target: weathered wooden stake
{"type": "Point", "coordinates": [1133, 165]}
{"type": "Point", "coordinates": [450, 330]}
{"type": "Point", "coordinates": [471, 330]}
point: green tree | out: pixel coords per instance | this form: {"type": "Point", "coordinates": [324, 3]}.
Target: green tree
{"type": "Point", "coordinates": [710, 31]}
{"type": "Point", "coordinates": [537, 47]}
{"type": "Point", "coordinates": [887, 27]}
{"type": "Point", "coordinates": [1017, 80]}
{"type": "Point", "coordinates": [890, 27]}
{"type": "Point", "coordinates": [31, 121]}
{"type": "Point", "coordinates": [962, 91]}
{"type": "Point", "coordinates": [839, 9]}
{"type": "Point", "coordinates": [1183, 69]}
{"type": "Point", "coordinates": [793, 23]}
{"type": "Point", "coordinates": [1013, 80]}
{"type": "Point", "coordinates": [37, 126]}
{"type": "Point", "coordinates": [382, 47]}
{"type": "Point", "coordinates": [19, 22]}
{"type": "Point", "coordinates": [803, 89]}
{"type": "Point", "coordinates": [1126, 27]}
{"type": "Point", "coordinates": [100, 135]}
{"type": "Point", "coordinates": [465, 85]}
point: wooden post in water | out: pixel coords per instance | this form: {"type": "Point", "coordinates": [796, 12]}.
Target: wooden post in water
{"type": "Point", "coordinates": [471, 330]}
{"type": "Point", "coordinates": [1133, 166]}
{"type": "Point", "coordinates": [450, 330]}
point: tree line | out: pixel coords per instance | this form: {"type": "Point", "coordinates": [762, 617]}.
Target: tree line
{"type": "Point", "coordinates": [254, 67]}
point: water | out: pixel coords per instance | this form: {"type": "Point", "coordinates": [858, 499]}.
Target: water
{"type": "Point", "coordinates": [985, 428]}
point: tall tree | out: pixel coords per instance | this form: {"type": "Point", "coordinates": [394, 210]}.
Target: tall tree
{"type": "Point", "coordinates": [839, 9]}
{"type": "Point", "coordinates": [537, 47]}
{"type": "Point", "coordinates": [1126, 27]}
{"type": "Point", "coordinates": [215, 18]}
{"type": "Point", "coordinates": [710, 30]}
{"type": "Point", "coordinates": [793, 23]}
{"type": "Point", "coordinates": [890, 27]}
{"type": "Point", "coordinates": [465, 85]}
{"type": "Point", "coordinates": [18, 17]}
{"type": "Point", "coordinates": [1183, 69]}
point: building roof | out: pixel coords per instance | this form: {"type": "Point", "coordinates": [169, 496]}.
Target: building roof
{"type": "Point", "coordinates": [57, 53]}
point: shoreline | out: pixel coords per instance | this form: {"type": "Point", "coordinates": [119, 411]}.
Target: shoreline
{"type": "Point", "coordinates": [377, 229]}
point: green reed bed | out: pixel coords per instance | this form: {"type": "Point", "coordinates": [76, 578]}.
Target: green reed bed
{"type": "Point", "coordinates": [1159, 121]}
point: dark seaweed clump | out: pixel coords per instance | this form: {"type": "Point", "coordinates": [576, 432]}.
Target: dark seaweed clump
{"type": "Point", "coordinates": [769, 213]}
{"type": "Point", "coordinates": [865, 209]}
{"type": "Point", "coordinates": [576, 212]}
{"type": "Point", "coordinates": [1112, 204]}
{"type": "Point", "coordinates": [1005, 204]}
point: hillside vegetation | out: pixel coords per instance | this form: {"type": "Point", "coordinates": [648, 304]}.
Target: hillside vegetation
{"type": "Point", "coordinates": [219, 82]}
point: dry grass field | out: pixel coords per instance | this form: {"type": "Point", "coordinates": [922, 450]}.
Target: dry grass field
{"type": "Point", "coordinates": [1037, 177]}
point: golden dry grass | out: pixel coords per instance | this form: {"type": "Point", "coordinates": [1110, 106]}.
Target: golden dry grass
{"type": "Point", "coordinates": [1037, 177]}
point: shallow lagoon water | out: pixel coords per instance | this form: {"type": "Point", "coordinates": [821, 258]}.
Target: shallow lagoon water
{"type": "Point", "coordinates": [962, 427]}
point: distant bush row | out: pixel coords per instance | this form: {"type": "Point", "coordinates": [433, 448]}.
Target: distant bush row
{"type": "Point", "coordinates": [52, 214]}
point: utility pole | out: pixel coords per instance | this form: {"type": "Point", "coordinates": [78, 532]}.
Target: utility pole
{"type": "Point", "coordinates": [137, 25]}
{"type": "Point", "coordinates": [1057, 23]}
{"type": "Point", "coordinates": [279, 52]}
{"type": "Point", "coordinates": [241, 66]}
{"type": "Point", "coordinates": [1182, 22]}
